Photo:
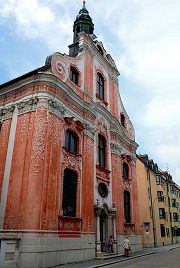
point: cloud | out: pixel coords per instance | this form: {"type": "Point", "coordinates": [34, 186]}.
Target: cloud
{"type": "Point", "coordinates": [37, 20]}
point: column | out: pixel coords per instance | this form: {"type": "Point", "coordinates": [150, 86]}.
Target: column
{"type": "Point", "coordinates": [98, 242]}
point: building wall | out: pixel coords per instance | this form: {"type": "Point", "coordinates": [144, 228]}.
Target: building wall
{"type": "Point", "coordinates": [149, 206]}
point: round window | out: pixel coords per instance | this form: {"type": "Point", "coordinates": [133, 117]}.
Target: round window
{"type": "Point", "coordinates": [103, 190]}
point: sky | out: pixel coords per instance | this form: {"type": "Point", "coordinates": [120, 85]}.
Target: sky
{"type": "Point", "coordinates": [142, 36]}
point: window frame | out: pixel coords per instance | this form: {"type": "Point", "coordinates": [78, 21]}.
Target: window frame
{"type": "Point", "coordinates": [160, 196]}
{"type": "Point", "coordinates": [125, 171]}
{"type": "Point", "coordinates": [162, 213]}
{"type": "Point", "coordinates": [127, 207]}
{"type": "Point", "coordinates": [71, 141]}
{"type": "Point", "coordinates": [123, 120]}
{"type": "Point", "coordinates": [74, 75]}
{"type": "Point", "coordinates": [69, 197]}
{"type": "Point", "coordinates": [100, 86]}
{"type": "Point", "coordinates": [102, 151]}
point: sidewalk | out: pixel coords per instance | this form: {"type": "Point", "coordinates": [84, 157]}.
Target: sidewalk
{"type": "Point", "coordinates": [120, 258]}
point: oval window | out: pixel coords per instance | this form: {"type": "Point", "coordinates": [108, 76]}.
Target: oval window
{"type": "Point", "coordinates": [103, 190]}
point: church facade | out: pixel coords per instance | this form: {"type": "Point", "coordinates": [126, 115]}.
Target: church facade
{"type": "Point", "coordinates": [67, 158]}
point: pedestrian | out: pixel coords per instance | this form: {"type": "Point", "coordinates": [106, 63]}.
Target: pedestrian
{"type": "Point", "coordinates": [110, 243]}
{"type": "Point", "coordinates": [126, 246]}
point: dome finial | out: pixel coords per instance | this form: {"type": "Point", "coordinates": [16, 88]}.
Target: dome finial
{"type": "Point", "coordinates": [84, 4]}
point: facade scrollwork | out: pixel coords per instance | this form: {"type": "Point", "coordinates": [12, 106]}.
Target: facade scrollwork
{"type": "Point", "coordinates": [89, 130]}
{"type": "Point", "coordinates": [7, 113]}
{"type": "Point", "coordinates": [27, 105]}
{"type": "Point", "coordinates": [116, 148]}
{"type": "Point", "coordinates": [56, 108]}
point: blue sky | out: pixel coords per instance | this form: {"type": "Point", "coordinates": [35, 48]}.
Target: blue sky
{"type": "Point", "coordinates": [142, 36]}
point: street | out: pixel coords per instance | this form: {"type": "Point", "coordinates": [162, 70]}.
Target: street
{"type": "Point", "coordinates": [169, 259]}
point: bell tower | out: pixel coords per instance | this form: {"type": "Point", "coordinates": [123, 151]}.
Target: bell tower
{"type": "Point", "coordinates": [82, 23]}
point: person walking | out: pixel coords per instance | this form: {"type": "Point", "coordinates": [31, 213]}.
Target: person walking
{"type": "Point", "coordinates": [126, 246]}
{"type": "Point", "coordinates": [110, 243]}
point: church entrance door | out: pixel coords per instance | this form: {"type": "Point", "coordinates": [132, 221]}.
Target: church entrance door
{"type": "Point", "coordinates": [103, 230]}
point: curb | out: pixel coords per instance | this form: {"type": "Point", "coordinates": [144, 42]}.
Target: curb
{"type": "Point", "coordinates": [122, 260]}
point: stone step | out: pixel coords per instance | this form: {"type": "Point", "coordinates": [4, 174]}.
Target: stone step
{"type": "Point", "coordinates": [105, 255]}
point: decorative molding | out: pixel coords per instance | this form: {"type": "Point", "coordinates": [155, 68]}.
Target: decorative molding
{"type": "Point", "coordinates": [89, 130]}
{"type": "Point", "coordinates": [27, 105]}
{"type": "Point", "coordinates": [56, 108]}
{"type": "Point", "coordinates": [7, 113]}
{"type": "Point", "coordinates": [127, 185]}
{"type": "Point", "coordinates": [116, 148]}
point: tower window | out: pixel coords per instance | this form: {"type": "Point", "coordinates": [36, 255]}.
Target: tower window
{"type": "Point", "coordinates": [71, 141]}
{"type": "Point", "coordinates": [101, 150]}
{"type": "Point", "coordinates": [125, 171]}
{"type": "Point", "coordinates": [100, 86]}
{"type": "Point", "coordinates": [74, 75]}
{"type": "Point", "coordinates": [69, 193]}
{"type": "Point", "coordinates": [127, 207]}
{"type": "Point", "coordinates": [122, 120]}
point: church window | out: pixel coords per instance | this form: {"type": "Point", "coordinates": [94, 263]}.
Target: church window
{"type": "Point", "coordinates": [71, 141]}
{"type": "Point", "coordinates": [74, 75]}
{"type": "Point", "coordinates": [69, 193]}
{"type": "Point", "coordinates": [122, 120]}
{"type": "Point", "coordinates": [100, 86]}
{"type": "Point", "coordinates": [127, 207]}
{"type": "Point", "coordinates": [103, 190]}
{"type": "Point", "coordinates": [101, 150]}
{"type": "Point", "coordinates": [125, 171]}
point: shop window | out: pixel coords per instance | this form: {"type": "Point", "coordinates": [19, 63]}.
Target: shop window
{"type": "Point", "coordinates": [74, 75]}
{"type": "Point", "coordinates": [125, 171]}
{"type": "Point", "coordinates": [100, 86]}
{"type": "Point", "coordinates": [71, 141]}
{"type": "Point", "coordinates": [69, 193]}
{"type": "Point", "coordinates": [127, 207]}
{"type": "Point", "coordinates": [101, 150]}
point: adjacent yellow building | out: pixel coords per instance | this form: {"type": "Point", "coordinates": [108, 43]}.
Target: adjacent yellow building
{"type": "Point", "coordinates": [174, 204]}
{"type": "Point", "coordinates": [154, 211]}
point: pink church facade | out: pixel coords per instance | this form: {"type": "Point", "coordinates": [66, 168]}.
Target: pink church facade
{"type": "Point", "coordinates": [67, 159]}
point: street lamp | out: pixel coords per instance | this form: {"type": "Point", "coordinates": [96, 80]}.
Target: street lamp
{"type": "Point", "coordinates": [154, 219]}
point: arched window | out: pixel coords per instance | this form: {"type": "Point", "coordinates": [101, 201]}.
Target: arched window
{"type": "Point", "coordinates": [127, 207]}
{"type": "Point", "coordinates": [101, 150]}
{"type": "Point", "coordinates": [100, 86]}
{"type": "Point", "coordinates": [74, 75]}
{"type": "Point", "coordinates": [125, 171]}
{"type": "Point", "coordinates": [71, 141]}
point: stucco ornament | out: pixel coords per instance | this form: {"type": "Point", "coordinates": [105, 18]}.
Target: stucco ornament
{"type": "Point", "coordinates": [59, 68]}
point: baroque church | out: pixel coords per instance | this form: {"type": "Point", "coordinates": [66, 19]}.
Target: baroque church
{"type": "Point", "coordinates": [67, 158]}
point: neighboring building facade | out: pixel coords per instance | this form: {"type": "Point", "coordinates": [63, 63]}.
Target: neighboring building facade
{"type": "Point", "coordinates": [174, 204]}
{"type": "Point", "coordinates": [154, 212]}
{"type": "Point", "coordinates": [67, 159]}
